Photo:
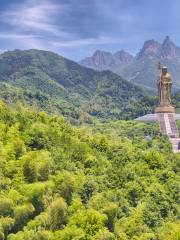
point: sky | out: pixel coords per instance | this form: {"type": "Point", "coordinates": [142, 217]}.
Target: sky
{"type": "Point", "coordinates": [76, 28]}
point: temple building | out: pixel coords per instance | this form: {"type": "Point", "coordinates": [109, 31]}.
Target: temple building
{"type": "Point", "coordinates": [165, 112]}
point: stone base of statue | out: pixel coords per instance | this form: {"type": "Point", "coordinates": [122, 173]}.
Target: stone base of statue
{"type": "Point", "coordinates": [154, 117]}
{"type": "Point", "coordinates": [165, 109]}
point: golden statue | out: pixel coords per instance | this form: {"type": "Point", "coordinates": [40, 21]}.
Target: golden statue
{"type": "Point", "coordinates": [164, 85]}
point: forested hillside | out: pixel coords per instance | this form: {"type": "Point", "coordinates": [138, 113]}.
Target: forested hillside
{"type": "Point", "coordinates": [55, 84]}
{"type": "Point", "coordinates": [118, 181]}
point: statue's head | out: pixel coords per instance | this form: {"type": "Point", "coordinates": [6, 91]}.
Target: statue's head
{"type": "Point", "coordinates": [164, 70]}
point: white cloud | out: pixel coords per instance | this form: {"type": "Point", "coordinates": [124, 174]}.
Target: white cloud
{"type": "Point", "coordinates": [33, 16]}
{"type": "Point", "coordinates": [24, 40]}
{"type": "Point", "coordinates": [36, 24]}
{"type": "Point", "coordinates": [88, 41]}
{"type": "Point", "coordinates": [27, 41]}
{"type": "Point", "coordinates": [18, 36]}
{"type": "Point", "coordinates": [32, 24]}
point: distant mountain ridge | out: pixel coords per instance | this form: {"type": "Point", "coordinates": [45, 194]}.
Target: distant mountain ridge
{"type": "Point", "coordinates": [102, 60]}
{"type": "Point", "coordinates": [141, 69]}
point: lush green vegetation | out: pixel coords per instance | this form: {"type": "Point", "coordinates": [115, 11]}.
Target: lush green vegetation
{"type": "Point", "coordinates": [53, 83]}
{"type": "Point", "coordinates": [113, 181]}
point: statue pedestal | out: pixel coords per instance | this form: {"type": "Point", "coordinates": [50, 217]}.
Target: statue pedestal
{"type": "Point", "coordinates": [164, 109]}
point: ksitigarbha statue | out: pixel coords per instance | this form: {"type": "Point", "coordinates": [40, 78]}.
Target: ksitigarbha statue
{"type": "Point", "coordinates": [164, 85]}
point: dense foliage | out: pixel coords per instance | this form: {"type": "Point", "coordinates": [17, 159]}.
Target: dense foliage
{"type": "Point", "coordinates": [114, 181]}
{"type": "Point", "coordinates": [53, 83]}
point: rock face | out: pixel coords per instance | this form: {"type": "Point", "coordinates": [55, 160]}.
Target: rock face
{"type": "Point", "coordinates": [123, 57]}
{"type": "Point", "coordinates": [141, 69]}
{"type": "Point", "coordinates": [169, 50]}
{"type": "Point", "coordinates": [99, 60]}
{"type": "Point", "coordinates": [102, 60]}
{"type": "Point", "coordinates": [150, 48]}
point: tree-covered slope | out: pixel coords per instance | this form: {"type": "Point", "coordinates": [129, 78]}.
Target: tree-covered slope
{"type": "Point", "coordinates": [109, 182]}
{"type": "Point", "coordinates": [71, 89]}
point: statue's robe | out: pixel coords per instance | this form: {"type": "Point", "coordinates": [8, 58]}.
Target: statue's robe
{"type": "Point", "coordinates": [164, 90]}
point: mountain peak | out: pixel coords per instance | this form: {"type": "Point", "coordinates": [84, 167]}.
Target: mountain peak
{"type": "Point", "coordinates": [167, 43]}
{"type": "Point", "coordinates": [98, 60]}
{"type": "Point", "coordinates": [150, 47]}
{"type": "Point", "coordinates": [123, 56]}
{"type": "Point", "coordinates": [167, 40]}
{"type": "Point", "coordinates": [122, 51]}
{"type": "Point", "coordinates": [98, 53]}
{"type": "Point", "coordinates": [169, 49]}
{"type": "Point", "coordinates": [102, 60]}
